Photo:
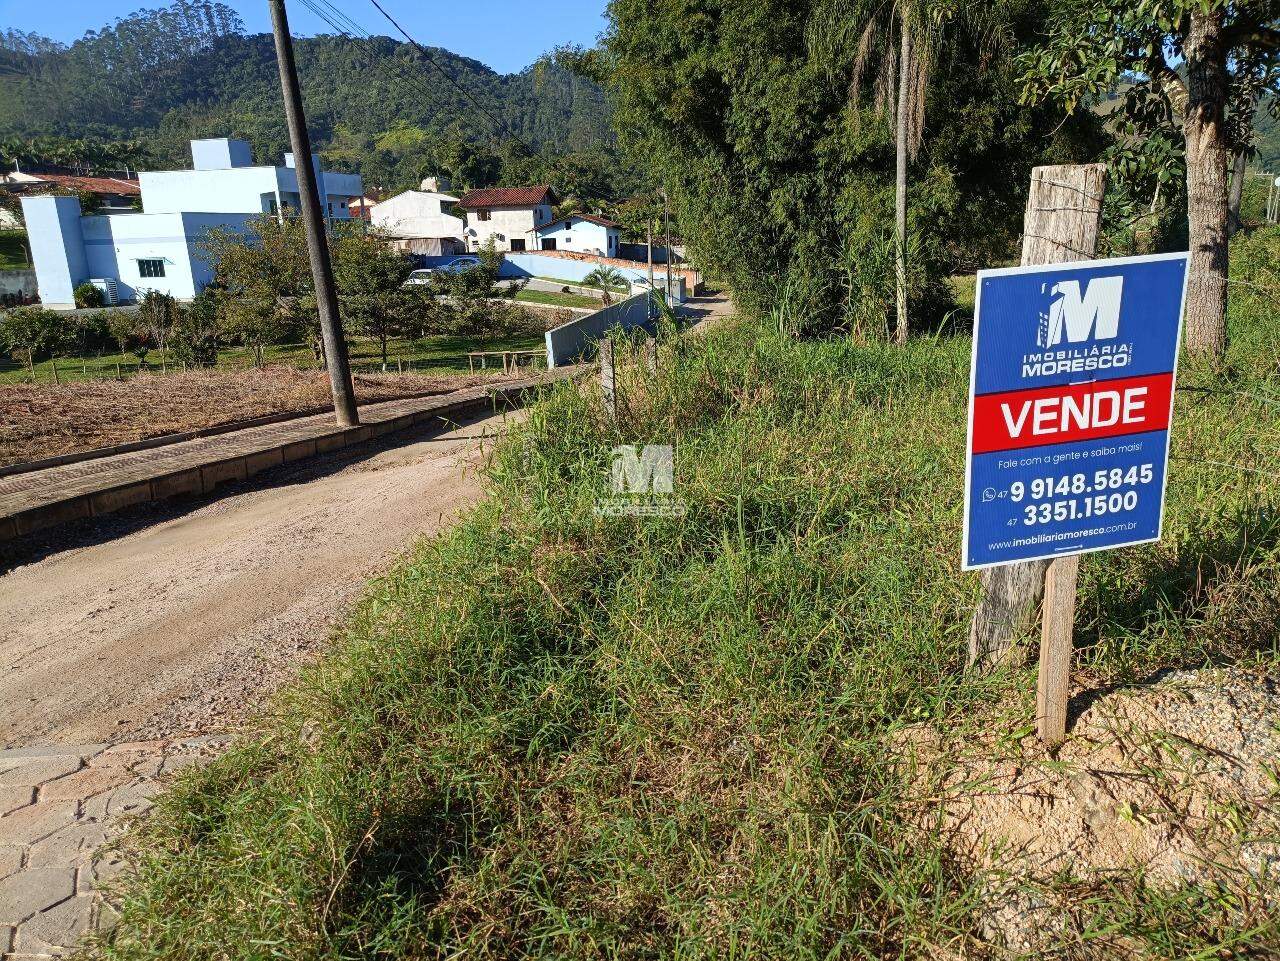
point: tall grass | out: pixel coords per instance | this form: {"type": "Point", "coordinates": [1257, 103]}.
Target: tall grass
{"type": "Point", "coordinates": [556, 734]}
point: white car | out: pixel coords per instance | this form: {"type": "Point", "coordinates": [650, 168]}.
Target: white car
{"type": "Point", "coordinates": [455, 266]}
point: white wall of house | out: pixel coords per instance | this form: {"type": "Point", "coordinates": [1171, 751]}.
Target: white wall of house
{"type": "Point", "coordinates": [506, 224]}
{"type": "Point", "coordinates": [158, 248]}
{"type": "Point", "coordinates": [223, 181]}
{"type": "Point", "coordinates": [582, 236]}
{"type": "Point", "coordinates": [417, 213]}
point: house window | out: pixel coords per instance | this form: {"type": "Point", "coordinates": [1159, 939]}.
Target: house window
{"type": "Point", "coordinates": [483, 215]}
{"type": "Point", "coordinates": [151, 268]}
{"type": "Point", "coordinates": [517, 246]}
{"type": "Point", "coordinates": [568, 239]}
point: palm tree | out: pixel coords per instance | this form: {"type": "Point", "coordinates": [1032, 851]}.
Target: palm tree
{"type": "Point", "coordinates": [895, 42]}
{"type": "Point", "coordinates": [605, 278]}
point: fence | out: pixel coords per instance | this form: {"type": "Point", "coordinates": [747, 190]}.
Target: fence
{"type": "Point", "coordinates": [65, 370]}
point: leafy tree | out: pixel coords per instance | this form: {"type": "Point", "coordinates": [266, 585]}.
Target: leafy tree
{"type": "Point", "coordinates": [131, 335]}
{"type": "Point", "coordinates": [783, 183]}
{"type": "Point", "coordinates": [263, 281]}
{"type": "Point", "coordinates": [26, 332]}
{"type": "Point", "coordinates": [193, 336]}
{"type": "Point", "coordinates": [1206, 62]}
{"type": "Point", "coordinates": [369, 273]}
{"type": "Point", "coordinates": [157, 317]}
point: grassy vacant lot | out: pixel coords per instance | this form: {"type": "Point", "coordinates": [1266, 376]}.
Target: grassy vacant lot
{"type": "Point", "coordinates": [557, 299]}
{"type": "Point", "coordinates": [432, 355]}
{"type": "Point", "coordinates": [38, 421]}
{"type": "Point", "coordinates": [13, 255]}
{"type": "Point", "coordinates": [562, 735]}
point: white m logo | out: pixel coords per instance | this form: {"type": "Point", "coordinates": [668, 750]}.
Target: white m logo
{"type": "Point", "coordinates": [648, 472]}
{"type": "Point", "coordinates": [1097, 312]}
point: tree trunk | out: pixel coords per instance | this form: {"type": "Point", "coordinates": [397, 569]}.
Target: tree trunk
{"type": "Point", "coordinates": [1237, 194]}
{"type": "Point", "coordinates": [900, 193]}
{"type": "Point", "coordinates": [1207, 193]}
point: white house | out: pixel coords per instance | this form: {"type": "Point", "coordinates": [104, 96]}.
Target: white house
{"type": "Point", "coordinates": [156, 249]}
{"type": "Point", "coordinates": [585, 233]}
{"type": "Point", "coordinates": [510, 215]}
{"type": "Point", "coordinates": [420, 220]}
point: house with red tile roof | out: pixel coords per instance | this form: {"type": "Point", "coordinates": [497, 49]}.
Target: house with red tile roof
{"type": "Point", "coordinates": [510, 215]}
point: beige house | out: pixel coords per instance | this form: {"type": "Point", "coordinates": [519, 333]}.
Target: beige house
{"type": "Point", "coordinates": [510, 215]}
{"type": "Point", "coordinates": [420, 221]}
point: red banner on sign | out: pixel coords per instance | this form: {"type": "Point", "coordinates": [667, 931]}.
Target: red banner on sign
{"type": "Point", "coordinates": [1071, 412]}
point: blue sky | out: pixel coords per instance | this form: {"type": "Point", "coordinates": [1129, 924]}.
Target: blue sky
{"type": "Point", "coordinates": [508, 35]}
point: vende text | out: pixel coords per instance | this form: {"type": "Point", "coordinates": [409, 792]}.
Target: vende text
{"type": "Point", "coordinates": [1055, 415]}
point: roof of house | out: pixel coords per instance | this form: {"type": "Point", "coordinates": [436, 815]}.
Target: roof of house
{"type": "Point", "coordinates": [504, 197]}
{"type": "Point", "coordinates": [93, 185]}
{"type": "Point", "coordinates": [589, 218]}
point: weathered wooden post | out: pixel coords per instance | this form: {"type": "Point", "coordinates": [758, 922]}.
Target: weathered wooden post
{"type": "Point", "coordinates": [1064, 211]}
{"type": "Point", "coordinates": [651, 354]}
{"type": "Point", "coordinates": [607, 381]}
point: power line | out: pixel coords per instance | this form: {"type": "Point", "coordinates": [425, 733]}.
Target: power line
{"type": "Point", "coordinates": [453, 83]}
{"type": "Point", "coordinates": [347, 26]}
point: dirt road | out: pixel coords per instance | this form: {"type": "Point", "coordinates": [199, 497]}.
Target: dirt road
{"type": "Point", "coordinates": [180, 619]}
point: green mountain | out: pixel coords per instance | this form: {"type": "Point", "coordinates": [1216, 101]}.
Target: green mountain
{"type": "Point", "coordinates": [377, 106]}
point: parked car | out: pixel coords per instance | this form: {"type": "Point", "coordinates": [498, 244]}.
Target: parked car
{"type": "Point", "coordinates": [456, 266]}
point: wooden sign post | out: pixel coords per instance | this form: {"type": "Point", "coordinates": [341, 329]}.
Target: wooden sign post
{"type": "Point", "coordinates": [1070, 404]}
{"type": "Point", "coordinates": [608, 384]}
{"type": "Point", "coordinates": [1064, 212]}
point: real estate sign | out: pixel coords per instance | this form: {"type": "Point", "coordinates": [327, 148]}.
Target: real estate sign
{"type": "Point", "coordinates": [1070, 396]}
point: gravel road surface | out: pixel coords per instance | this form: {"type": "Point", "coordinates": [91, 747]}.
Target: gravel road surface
{"type": "Point", "coordinates": [179, 619]}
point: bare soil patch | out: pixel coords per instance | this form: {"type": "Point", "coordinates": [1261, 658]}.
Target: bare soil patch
{"type": "Point", "coordinates": [1169, 784]}
{"type": "Point", "coordinates": [47, 420]}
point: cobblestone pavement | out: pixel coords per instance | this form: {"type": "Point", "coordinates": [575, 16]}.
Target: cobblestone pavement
{"type": "Point", "coordinates": [58, 807]}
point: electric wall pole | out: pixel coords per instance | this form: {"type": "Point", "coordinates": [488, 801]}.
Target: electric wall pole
{"type": "Point", "coordinates": [335, 346]}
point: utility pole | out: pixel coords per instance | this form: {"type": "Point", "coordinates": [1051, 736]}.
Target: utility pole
{"type": "Point", "coordinates": [335, 346]}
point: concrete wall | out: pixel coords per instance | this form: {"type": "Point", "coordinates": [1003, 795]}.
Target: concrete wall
{"type": "Point", "coordinates": [506, 224]}
{"type": "Point", "coordinates": [220, 153]}
{"type": "Point", "coordinates": [57, 247]}
{"type": "Point", "coordinates": [114, 244]}
{"type": "Point", "coordinates": [417, 214]}
{"type": "Point", "coordinates": [570, 341]}
{"type": "Point", "coordinates": [17, 286]}
{"type": "Point", "coordinates": [240, 190]}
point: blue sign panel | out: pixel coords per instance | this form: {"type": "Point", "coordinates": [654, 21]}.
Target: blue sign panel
{"type": "Point", "coordinates": [1070, 397]}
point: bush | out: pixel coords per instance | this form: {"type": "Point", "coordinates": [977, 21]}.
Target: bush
{"type": "Point", "coordinates": [87, 295]}
{"type": "Point", "coordinates": [193, 338]}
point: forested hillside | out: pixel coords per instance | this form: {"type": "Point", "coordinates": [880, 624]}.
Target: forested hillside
{"type": "Point", "coordinates": [377, 106]}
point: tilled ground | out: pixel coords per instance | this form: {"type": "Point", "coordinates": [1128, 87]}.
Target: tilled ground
{"type": "Point", "coordinates": [47, 420]}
